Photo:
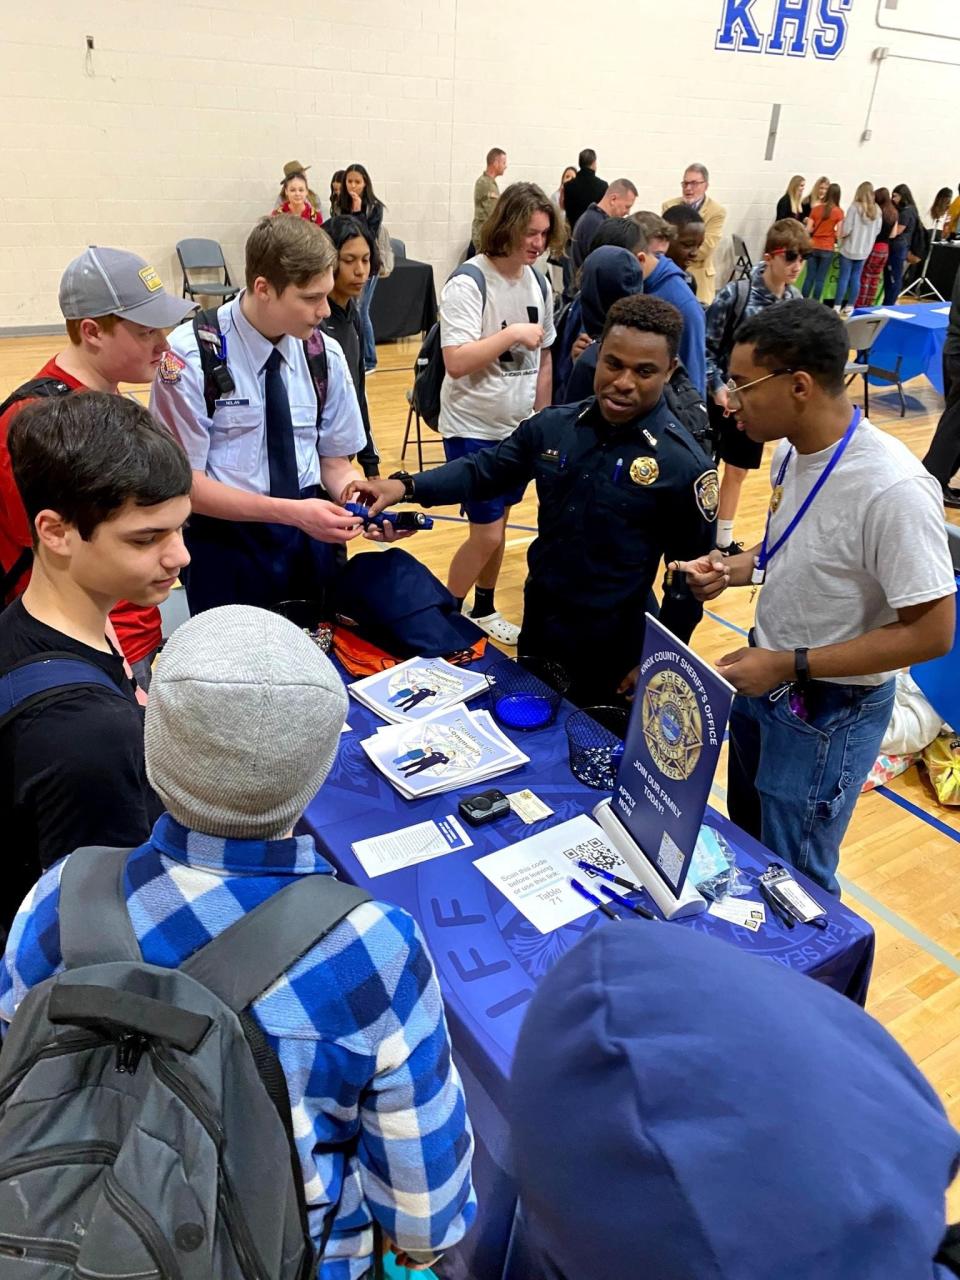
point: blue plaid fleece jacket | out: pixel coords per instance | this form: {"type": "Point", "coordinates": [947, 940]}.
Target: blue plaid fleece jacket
{"type": "Point", "coordinates": [357, 1023]}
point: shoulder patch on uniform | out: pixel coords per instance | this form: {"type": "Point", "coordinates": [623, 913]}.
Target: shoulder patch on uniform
{"type": "Point", "coordinates": [171, 367]}
{"type": "Point", "coordinates": [706, 490]}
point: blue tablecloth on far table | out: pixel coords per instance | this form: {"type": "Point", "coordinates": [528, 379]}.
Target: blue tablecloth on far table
{"type": "Point", "coordinates": [917, 333]}
{"type": "Point", "coordinates": [489, 957]}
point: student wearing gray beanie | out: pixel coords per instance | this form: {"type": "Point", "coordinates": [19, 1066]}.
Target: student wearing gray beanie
{"type": "Point", "coordinates": [243, 723]}
{"type": "Point", "coordinates": [242, 728]}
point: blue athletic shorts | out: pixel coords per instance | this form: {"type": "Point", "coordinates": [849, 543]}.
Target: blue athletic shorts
{"type": "Point", "coordinates": [492, 508]}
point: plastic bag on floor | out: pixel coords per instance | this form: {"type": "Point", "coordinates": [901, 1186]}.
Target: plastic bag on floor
{"type": "Point", "coordinates": [942, 760]}
{"type": "Point", "coordinates": [913, 722]}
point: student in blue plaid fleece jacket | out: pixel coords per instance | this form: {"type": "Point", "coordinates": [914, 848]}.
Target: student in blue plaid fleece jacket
{"type": "Point", "coordinates": [242, 728]}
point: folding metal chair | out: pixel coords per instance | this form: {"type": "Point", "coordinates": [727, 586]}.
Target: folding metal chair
{"type": "Point", "coordinates": [743, 263]}
{"type": "Point", "coordinates": [862, 333]}
{"type": "Point", "coordinates": [205, 255]}
{"type": "Point", "coordinates": [414, 421]}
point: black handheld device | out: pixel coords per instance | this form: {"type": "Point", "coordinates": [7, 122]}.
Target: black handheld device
{"type": "Point", "coordinates": [485, 806]}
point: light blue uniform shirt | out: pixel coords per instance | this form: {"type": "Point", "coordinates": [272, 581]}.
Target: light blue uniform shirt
{"type": "Point", "coordinates": [231, 446]}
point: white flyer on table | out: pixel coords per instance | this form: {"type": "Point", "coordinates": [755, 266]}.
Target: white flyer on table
{"type": "Point", "coordinates": [534, 874]}
{"type": "Point", "coordinates": [419, 843]}
{"type": "Point", "coordinates": [417, 688]}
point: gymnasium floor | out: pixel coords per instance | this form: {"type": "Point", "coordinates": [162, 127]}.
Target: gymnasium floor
{"type": "Point", "coordinates": [901, 860]}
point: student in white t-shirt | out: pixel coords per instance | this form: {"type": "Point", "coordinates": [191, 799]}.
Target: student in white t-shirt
{"type": "Point", "coordinates": [857, 583]}
{"type": "Point", "coordinates": [497, 357]}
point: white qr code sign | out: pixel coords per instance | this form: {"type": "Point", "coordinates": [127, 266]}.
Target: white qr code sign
{"type": "Point", "coordinates": [670, 859]}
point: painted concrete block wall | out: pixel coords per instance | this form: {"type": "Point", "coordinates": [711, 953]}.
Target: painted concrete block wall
{"type": "Point", "coordinates": [180, 120]}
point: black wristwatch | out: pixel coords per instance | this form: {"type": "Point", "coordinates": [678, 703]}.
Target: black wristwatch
{"type": "Point", "coordinates": [408, 485]}
{"type": "Point", "coordinates": [801, 665]}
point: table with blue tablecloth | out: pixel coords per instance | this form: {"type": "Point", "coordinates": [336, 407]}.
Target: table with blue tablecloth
{"type": "Point", "coordinates": [489, 958]}
{"type": "Point", "coordinates": [916, 332]}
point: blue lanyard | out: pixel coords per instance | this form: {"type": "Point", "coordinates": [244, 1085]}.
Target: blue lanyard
{"type": "Point", "coordinates": [765, 556]}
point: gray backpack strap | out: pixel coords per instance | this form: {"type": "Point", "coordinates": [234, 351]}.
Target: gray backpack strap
{"type": "Point", "coordinates": [94, 922]}
{"type": "Point", "coordinates": [243, 961]}
{"type": "Point", "coordinates": [542, 281]}
{"type": "Point", "coordinates": [477, 276]}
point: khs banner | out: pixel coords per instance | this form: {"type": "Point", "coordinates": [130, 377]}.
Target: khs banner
{"type": "Point", "coordinates": [798, 27]}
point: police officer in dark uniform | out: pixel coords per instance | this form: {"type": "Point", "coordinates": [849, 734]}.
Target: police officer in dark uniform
{"type": "Point", "coordinates": [621, 484]}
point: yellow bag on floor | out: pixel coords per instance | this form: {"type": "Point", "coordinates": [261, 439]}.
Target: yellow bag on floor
{"type": "Point", "coordinates": [942, 759]}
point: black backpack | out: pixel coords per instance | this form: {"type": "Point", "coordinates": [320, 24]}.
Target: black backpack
{"type": "Point", "coordinates": [687, 405]}
{"type": "Point", "coordinates": [919, 240]}
{"type": "Point", "coordinates": [35, 389]}
{"type": "Point", "coordinates": [218, 383]}
{"type": "Point", "coordinates": [430, 370]}
{"type": "Point", "coordinates": [145, 1125]}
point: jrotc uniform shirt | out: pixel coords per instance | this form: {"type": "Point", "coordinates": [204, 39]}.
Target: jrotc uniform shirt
{"type": "Point", "coordinates": [232, 445]}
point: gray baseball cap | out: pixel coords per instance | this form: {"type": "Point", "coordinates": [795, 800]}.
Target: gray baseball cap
{"type": "Point", "coordinates": [113, 282]}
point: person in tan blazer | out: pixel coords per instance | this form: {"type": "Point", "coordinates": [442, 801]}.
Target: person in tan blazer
{"type": "Point", "coordinates": [696, 182]}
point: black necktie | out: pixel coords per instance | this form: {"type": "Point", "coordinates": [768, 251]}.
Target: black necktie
{"type": "Point", "coordinates": [281, 447]}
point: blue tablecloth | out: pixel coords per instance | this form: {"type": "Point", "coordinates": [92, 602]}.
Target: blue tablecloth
{"type": "Point", "coordinates": [917, 333]}
{"type": "Point", "coordinates": [489, 957]}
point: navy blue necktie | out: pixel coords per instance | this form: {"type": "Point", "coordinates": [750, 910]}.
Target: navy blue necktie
{"type": "Point", "coordinates": [281, 446]}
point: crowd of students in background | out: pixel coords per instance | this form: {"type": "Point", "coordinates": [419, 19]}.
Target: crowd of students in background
{"type": "Point", "coordinates": [352, 194]}
{"type": "Point", "coordinates": [879, 234]}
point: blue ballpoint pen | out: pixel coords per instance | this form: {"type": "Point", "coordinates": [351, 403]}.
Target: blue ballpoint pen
{"type": "Point", "coordinates": [584, 865]}
{"type": "Point", "coordinates": [617, 471]}
{"type": "Point", "coordinates": [585, 893]}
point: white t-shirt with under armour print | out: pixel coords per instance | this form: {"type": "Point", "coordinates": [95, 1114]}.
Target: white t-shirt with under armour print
{"type": "Point", "coordinates": [491, 403]}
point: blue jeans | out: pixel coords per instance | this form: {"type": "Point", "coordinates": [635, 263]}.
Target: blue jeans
{"type": "Point", "coordinates": [848, 283]}
{"type": "Point", "coordinates": [893, 272]}
{"type": "Point", "coordinates": [369, 342]}
{"type": "Point", "coordinates": [818, 268]}
{"type": "Point", "coordinates": [793, 783]}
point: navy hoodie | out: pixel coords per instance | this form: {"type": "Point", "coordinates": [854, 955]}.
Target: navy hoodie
{"type": "Point", "coordinates": [682, 1110]}
{"type": "Point", "coordinates": [667, 281]}
{"type": "Point", "coordinates": [608, 275]}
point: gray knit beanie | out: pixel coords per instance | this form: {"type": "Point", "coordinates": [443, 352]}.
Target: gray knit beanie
{"type": "Point", "coordinates": [243, 723]}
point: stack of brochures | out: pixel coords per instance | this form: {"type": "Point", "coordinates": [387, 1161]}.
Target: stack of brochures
{"type": "Point", "coordinates": [417, 688]}
{"type": "Point", "coordinates": [444, 751]}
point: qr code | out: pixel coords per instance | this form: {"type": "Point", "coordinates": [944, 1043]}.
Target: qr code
{"type": "Point", "coordinates": [598, 853]}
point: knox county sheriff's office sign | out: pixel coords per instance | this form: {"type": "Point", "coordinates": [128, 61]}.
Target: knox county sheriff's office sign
{"type": "Point", "coordinates": [797, 28]}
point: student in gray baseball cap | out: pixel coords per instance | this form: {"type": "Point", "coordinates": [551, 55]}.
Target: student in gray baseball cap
{"type": "Point", "coordinates": [113, 282]}
{"type": "Point", "coordinates": [117, 314]}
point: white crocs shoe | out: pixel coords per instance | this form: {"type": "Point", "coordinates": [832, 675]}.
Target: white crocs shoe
{"type": "Point", "coordinates": [497, 627]}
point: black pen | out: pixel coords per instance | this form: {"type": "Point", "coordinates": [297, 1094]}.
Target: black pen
{"type": "Point", "coordinates": [779, 911]}
{"type": "Point", "coordinates": [585, 893]}
{"type": "Point", "coordinates": [623, 902]}
{"type": "Point", "coordinates": [608, 875]}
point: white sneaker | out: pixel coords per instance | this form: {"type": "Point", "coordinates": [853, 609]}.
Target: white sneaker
{"type": "Point", "coordinates": [846, 311]}
{"type": "Point", "coordinates": [497, 627]}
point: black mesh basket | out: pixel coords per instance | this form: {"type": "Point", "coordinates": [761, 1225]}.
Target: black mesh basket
{"type": "Point", "coordinates": [595, 740]}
